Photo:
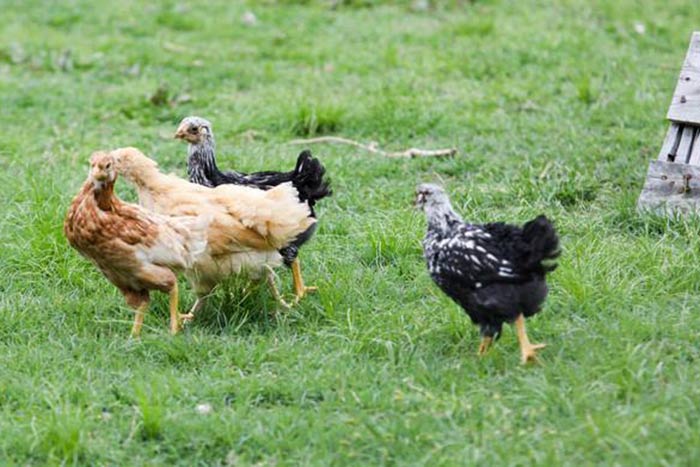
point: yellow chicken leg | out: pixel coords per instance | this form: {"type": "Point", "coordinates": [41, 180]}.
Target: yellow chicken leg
{"type": "Point", "coordinates": [198, 304]}
{"type": "Point", "coordinates": [186, 317]}
{"type": "Point", "coordinates": [138, 319]}
{"type": "Point", "coordinates": [174, 314]}
{"type": "Point", "coordinates": [528, 350]}
{"type": "Point", "coordinates": [485, 345]}
{"type": "Point", "coordinates": [299, 288]}
{"type": "Point", "coordinates": [274, 291]}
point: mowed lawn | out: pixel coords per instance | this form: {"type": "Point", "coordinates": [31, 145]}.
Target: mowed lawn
{"type": "Point", "coordinates": [555, 108]}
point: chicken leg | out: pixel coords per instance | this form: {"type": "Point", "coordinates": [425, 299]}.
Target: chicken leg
{"type": "Point", "coordinates": [175, 316]}
{"type": "Point", "coordinates": [273, 288]}
{"type": "Point", "coordinates": [485, 345]}
{"type": "Point", "coordinates": [138, 319]}
{"type": "Point", "coordinates": [528, 350]}
{"type": "Point", "coordinates": [299, 288]}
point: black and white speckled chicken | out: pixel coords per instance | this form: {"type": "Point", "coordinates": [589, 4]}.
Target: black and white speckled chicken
{"type": "Point", "coordinates": [307, 177]}
{"type": "Point", "coordinates": [496, 271]}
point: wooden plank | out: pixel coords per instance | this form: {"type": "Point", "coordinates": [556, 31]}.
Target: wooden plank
{"type": "Point", "coordinates": [685, 104]}
{"type": "Point", "coordinates": [671, 188]}
{"type": "Point", "coordinates": [695, 152]}
{"type": "Point", "coordinates": [670, 147]}
{"type": "Point", "coordinates": [683, 153]}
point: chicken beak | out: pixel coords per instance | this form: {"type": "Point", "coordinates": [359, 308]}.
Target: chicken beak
{"type": "Point", "coordinates": [99, 175]}
{"type": "Point", "coordinates": [181, 132]}
{"type": "Point", "coordinates": [420, 198]}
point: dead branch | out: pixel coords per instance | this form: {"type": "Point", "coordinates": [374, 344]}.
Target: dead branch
{"type": "Point", "coordinates": [372, 147]}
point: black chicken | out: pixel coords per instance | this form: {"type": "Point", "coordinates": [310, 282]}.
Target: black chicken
{"type": "Point", "coordinates": [307, 178]}
{"type": "Point", "coordinates": [494, 271]}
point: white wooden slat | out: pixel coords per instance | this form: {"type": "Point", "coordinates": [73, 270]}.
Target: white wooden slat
{"type": "Point", "coordinates": [685, 104]}
{"type": "Point", "coordinates": [683, 153]}
{"type": "Point", "coordinates": [669, 141]}
{"type": "Point", "coordinates": [695, 152]}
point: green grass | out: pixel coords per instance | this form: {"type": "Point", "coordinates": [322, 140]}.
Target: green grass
{"type": "Point", "coordinates": [555, 107]}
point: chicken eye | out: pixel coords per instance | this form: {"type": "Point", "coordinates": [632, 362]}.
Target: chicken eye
{"type": "Point", "coordinates": [192, 130]}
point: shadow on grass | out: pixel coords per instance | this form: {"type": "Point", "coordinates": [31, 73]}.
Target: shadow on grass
{"type": "Point", "coordinates": [241, 305]}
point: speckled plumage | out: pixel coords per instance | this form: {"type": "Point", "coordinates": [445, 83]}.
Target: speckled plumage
{"type": "Point", "coordinates": [494, 271]}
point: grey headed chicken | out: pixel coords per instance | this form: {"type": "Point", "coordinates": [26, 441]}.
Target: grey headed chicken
{"type": "Point", "coordinates": [137, 250]}
{"type": "Point", "coordinates": [248, 225]}
{"type": "Point", "coordinates": [496, 272]}
{"type": "Point", "coordinates": [308, 177]}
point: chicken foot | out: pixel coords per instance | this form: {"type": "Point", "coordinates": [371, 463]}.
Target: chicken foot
{"type": "Point", "coordinates": [275, 292]}
{"type": "Point", "coordinates": [299, 288]}
{"type": "Point", "coordinates": [198, 304]}
{"type": "Point", "coordinates": [485, 345]}
{"type": "Point", "coordinates": [528, 350]}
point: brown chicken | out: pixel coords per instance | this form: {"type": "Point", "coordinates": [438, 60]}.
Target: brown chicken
{"type": "Point", "coordinates": [248, 225]}
{"type": "Point", "coordinates": [137, 250]}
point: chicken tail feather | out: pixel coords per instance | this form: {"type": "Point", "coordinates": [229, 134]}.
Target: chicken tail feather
{"type": "Point", "coordinates": [308, 178]}
{"type": "Point", "coordinates": [542, 244]}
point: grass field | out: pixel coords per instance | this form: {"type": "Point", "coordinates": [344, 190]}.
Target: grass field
{"type": "Point", "coordinates": [555, 107]}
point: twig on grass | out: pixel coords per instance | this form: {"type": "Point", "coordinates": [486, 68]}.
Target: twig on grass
{"type": "Point", "coordinates": [372, 147]}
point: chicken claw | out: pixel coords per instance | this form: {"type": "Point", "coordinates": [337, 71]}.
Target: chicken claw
{"type": "Point", "coordinates": [529, 353]}
{"type": "Point", "coordinates": [186, 317]}
{"type": "Point", "coordinates": [527, 350]}
{"type": "Point", "coordinates": [300, 290]}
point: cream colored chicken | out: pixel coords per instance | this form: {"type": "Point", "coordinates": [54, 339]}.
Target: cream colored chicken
{"type": "Point", "coordinates": [248, 225]}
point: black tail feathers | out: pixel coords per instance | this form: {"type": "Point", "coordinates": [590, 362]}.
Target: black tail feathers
{"type": "Point", "coordinates": [308, 178]}
{"type": "Point", "coordinates": [542, 244]}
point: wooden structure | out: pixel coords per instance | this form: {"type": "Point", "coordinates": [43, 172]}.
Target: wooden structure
{"type": "Point", "coordinates": [673, 180]}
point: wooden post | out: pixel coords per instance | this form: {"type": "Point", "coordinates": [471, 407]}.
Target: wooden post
{"type": "Point", "coordinates": [685, 105]}
{"type": "Point", "coordinates": [673, 180]}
